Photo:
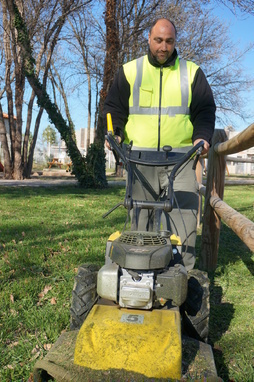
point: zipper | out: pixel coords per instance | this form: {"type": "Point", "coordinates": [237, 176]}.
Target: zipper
{"type": "Point", "coordinates": [159, 116]}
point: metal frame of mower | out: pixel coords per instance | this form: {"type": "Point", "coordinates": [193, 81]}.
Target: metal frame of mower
{"type": "Point", "coordinates": [137, 272]}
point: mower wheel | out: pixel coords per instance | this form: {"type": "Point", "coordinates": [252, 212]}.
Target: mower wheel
{"type": "Point", "coordinates": [84, 294]}
{"type": "Point", "coordinates": [196, 309]}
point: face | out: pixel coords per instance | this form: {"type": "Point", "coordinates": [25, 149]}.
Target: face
{"type": "Point", "coordinates": [162, 40]}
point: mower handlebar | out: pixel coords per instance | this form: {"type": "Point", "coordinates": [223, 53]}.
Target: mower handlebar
{"type": "Point", "coordinates": [152, 158]}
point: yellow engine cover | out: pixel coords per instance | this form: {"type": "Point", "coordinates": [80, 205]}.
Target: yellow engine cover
{"type": "Point", "coordinates": [146, 342]}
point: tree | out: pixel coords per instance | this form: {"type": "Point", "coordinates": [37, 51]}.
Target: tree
{"type": "Point", "coordinates": [110, 63]}
{"type": "Point", "coordinates": [245, 6]}
{"type": "Point", "coordinates": [46, 16]}
{"type": "Point", "coordinates": [83, 169]}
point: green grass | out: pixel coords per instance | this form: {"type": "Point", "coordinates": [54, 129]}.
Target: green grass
{"type": "Point", "coordinates": [45, 233]}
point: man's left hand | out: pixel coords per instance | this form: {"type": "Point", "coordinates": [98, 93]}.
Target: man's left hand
{"type": "Point", "coordinates": [206, 146]}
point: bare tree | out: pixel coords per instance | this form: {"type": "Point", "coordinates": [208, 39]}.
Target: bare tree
{"type": "Point", "coordinates": [203, 38]}
{"type": "Point", "coordinates": [59, 86]}
{"type": "Point", "coordinates": [87, 171]}
{"type": "Point", "coordinates": [81, 30]}
{"type": "Point", "coordinates": [245, 6]}
{"type": "Point", "coordinates": [46, 16]}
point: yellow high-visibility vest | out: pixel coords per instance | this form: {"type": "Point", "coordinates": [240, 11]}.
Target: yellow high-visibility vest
{"type": "Point", "coordinates": [159, 104]}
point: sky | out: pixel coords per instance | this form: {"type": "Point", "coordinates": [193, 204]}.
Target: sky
{"type": "Point", "coordinates": [241, 31]}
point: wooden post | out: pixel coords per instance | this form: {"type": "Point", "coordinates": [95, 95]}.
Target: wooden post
{"type": "Point", "coordinates": [199, 175]}
{"type": "Point", "coordinates": [211, 221]}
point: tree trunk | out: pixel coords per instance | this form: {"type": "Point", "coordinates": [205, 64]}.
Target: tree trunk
{"type": "Point", "coordinates": [3, 140]}
{"type": "Point", "coordinates": [211, 221]}
{"type": "Point", "coordinates": [89, 112]}
{"type": "Point", "coordinates": [110, 64]}
{"type": "Point", "coordinates": [29, 167]}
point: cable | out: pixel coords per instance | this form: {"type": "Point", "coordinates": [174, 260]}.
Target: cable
{"type": "Point", "coordinates": [184, 225]}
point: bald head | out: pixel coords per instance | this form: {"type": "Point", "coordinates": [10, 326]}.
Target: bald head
{"type": "Point", "coordinates": [161, 40]}
{"type": "Point", "coordinates": [162, 19]}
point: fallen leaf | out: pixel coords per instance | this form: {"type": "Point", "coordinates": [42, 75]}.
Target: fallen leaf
{"type": "Point", "coordinates": [35, 349]}
{"type": "Point", "coordinates": [45, 291]}
{"type": "Point", "coordinates": [31, 378]}
{"type": "Point", "coordinates": [13, 344]}
{"type": "Point", "coordinates": [47, 346]}
{"type": "Point", "coordinates": [12, 298]}
{"type": "Point", "coordinates": [53, 301]}
{"type": "Point", "coordinates": [36, 355]}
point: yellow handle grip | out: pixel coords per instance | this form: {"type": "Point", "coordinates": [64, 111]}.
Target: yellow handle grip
{"type": "Point", "coordinates": [109, 124]}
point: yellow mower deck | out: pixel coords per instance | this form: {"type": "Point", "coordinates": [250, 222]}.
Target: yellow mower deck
{"type": "Point", "coordinates": [116, 344]}
{"type": "Point", "coordinates": [58, 365]}
{"type": "Point", "coordinates": [146, 342]}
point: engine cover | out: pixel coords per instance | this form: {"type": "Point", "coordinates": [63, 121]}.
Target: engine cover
{"type": "Point", "coordinates": [141, 251]}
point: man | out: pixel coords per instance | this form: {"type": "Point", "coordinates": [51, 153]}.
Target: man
{"type": "Point", "coordinates": [160, 100]}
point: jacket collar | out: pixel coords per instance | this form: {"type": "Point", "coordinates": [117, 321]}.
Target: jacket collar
{"type": "Point", "coordinates": [170, 61]}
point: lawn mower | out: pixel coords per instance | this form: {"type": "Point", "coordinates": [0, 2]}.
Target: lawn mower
{"type": "Point", "coordinates": [141, 316]}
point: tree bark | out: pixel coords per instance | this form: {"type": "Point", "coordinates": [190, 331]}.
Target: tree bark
{"type": "Point", "coordinates": [110, 64]}
{"type": "Point", "coordinates": [4, 142]}
{"type": "Point", "coordinates": [211, 221]}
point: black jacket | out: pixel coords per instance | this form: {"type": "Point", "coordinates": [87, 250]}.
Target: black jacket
{"type": "Point", "coordinates": [202, 108]}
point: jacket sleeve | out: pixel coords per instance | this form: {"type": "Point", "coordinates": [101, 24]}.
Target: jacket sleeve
{"type": "Point", "coordinates": [202, 108]}
{"type": "Point", "coordinates": [117, 103]}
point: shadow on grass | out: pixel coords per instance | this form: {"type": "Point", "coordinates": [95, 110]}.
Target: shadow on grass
{"type": "Point", "coordinates": [221, 314]}
{"type": "Point", "coordinates": [231, 250]}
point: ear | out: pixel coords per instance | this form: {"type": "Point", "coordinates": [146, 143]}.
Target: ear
{"type": "Point", "coordinates": [149, 38]}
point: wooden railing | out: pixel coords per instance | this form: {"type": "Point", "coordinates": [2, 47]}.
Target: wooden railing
{"type": "Point", "coordinates": [214, 207]}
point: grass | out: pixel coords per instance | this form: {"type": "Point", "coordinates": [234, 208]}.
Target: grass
{"type": "Point", "coordinates": [46, 233]}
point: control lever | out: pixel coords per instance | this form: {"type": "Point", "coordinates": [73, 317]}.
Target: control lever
{"type": "Point", "coordinates": [112, 209]}
{"type": "Point", "coordinates": [198, 153]}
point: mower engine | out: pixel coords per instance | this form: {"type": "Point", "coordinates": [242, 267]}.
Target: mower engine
{"type": "Point", "coordinates": [138, 271]}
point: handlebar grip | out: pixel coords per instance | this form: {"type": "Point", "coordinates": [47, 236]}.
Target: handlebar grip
{"type": "Point", "coordinates": [110, 124]}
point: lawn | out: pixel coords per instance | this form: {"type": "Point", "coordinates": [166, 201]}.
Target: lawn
{"type": "Point", "coordinates": [46, 233]}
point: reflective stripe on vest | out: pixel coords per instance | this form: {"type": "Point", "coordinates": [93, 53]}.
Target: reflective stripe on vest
{"type": "Point", "coordinates": [171, 111]}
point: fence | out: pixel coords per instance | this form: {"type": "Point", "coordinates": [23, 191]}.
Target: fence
{"type": "Point", "coordinates": [214, 207]}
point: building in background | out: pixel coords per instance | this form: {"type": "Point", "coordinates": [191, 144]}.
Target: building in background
{"type": "Point", "coordinates": [239, 168]}
{"type": "Point", "coordinates": [59, 150]}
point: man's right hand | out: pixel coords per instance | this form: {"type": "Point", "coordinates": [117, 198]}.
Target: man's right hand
{"type": "Point", "coordinates": [117, 138]}
{"type": "Point", "coordinates": [206, 145]}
